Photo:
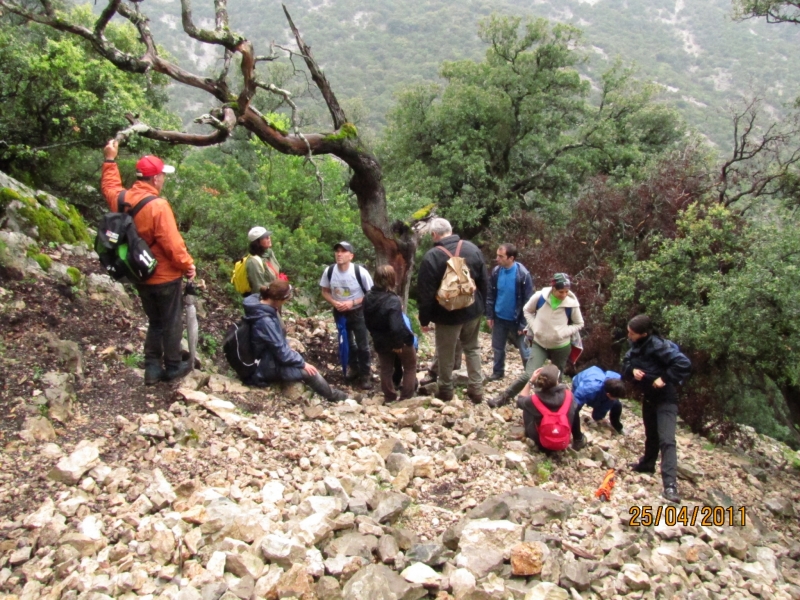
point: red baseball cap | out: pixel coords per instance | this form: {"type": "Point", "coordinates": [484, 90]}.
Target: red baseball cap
{"type": "Point", "coordinates": [150, 166]}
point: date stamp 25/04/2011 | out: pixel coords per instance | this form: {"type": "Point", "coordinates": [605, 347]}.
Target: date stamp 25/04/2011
{"type": "Point", "coordinates": [646, 516]}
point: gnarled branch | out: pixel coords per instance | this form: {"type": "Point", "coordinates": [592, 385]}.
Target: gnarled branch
{"type": "Point", "coordinates": [337, 114]}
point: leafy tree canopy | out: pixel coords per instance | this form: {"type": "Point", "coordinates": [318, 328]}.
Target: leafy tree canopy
{"type": "Point", "coordinates": [729, 290]}
{"type": "Point", "coordinates": [61, 102]}
{"type": "Point", "coordinates": [518, 128]}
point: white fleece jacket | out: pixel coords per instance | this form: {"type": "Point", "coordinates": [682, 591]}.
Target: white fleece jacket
{"type": "Point", "coordinates": [550, 327]}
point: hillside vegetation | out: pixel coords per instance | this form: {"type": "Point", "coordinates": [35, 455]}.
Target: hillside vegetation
{"type": "Point", "coordinates": [372, 50]}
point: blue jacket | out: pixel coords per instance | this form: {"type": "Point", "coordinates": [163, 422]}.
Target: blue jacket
{"type": "Point", "coordinates": [269, 340]}
{"type": "Point", "coordinates": [524, 291]}
{"type": "Point", "coordinates": [587, 386]}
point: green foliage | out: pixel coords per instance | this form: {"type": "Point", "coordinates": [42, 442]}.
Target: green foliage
{"type": "Point", "coordinates": [133, 360]}
{"type": "Point", "coordinates": [544, 469]}
{"type": "Point", "coordinates": [61, 103]}
{"type": "Point", "coordinates": [44, 410]}
{"type": "Point", "coordinates": [518, 129]}
{"type": "Point", "coordinates": [728, 290]}
{"type": "Point", "coordinates": [278, 121]}
{"type": "Point", "coordinates": [208, 343]}
{"type": "Point", "coordinates": [220, 193]}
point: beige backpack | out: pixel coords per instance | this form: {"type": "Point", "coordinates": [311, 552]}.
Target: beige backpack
{"type": "Point", "coordinates": [457, 289]}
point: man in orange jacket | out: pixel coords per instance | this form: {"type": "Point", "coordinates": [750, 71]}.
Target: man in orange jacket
{"type": "Point", "coordinates": [161, 293]}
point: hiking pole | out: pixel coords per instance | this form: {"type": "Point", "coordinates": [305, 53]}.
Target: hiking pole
{"type": "Point", "coordinates": [190, 312]}
{"type": "Point", "coordinates": [604, 491]}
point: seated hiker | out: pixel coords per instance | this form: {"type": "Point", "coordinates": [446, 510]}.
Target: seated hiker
{"type": "Point", "coordinates": [383, 313]}
{"type": "Point", "coordinates": [548, 412]}
{"type": "Point", "coordinates": [277, 361]}
{"type": "Point", "coordinates": [601, 390]}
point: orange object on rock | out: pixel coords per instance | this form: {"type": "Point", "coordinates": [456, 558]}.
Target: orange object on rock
{"type": "Point", "coordinates": [604, 491]}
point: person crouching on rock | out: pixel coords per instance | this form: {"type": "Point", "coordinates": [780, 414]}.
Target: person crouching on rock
{"type": "Point", "coordinates": [277, 361]}
{"type": "Point", "coordinates": [383, 313]}
{"type": "Point", "coordinates": [547, 413]}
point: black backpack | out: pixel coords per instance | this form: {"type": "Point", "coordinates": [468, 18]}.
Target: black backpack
{"type": "Point", "coordinates": [122, 252]}
{"type": "Point", "coordinates": [238, 350]}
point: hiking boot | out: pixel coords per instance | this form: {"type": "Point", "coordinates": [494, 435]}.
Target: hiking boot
{"type": "Point", "coordinates": [495, 377]}
{"type": "Point", "coordinates": [445, 395]}
{"type": "Point", "coordinates": [429, 378]}
{"type": "Point", "coordinates": [643, 468]}
{"type": "Point", "coordinates": [671, 494]}
{"type": "Point", "coordinates": [337, 396]}
{"type": "Point", "coordinates": [501, 400]}
{"type": "Point", "coordinates": [578, 443]}
{"type": "Point", "coordinates": [173, 373]}
{"type": "Point", "coordinates": [618, 428]}
{"type": "Point", "coordinates": [475, 397]}
{"type": "Point", "coordinates": [153, 374]}
{"type": "Point", "coordinates": [352, 375]}
{"type": "Point", "coordinates": [365, 383]}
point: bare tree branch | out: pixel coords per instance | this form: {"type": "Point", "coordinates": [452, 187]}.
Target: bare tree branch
{"type": "Point", "coordinates": [105, 17]}
{"type": "Point", "coordinates": [223, 130]}
{"type": "Point", "coordinates": [221, 35]}
{"type": "Point", "coordinates": [337, 114]}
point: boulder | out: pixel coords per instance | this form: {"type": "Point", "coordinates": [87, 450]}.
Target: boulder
{"type": "Point", "coordinates": [421, 574]}
{"type": "Point", "coordinates": [71, 468]}
{"type": "Point", "coordinates": [37, 429]}
{"type": "Point", "coordinates": [379, 581]}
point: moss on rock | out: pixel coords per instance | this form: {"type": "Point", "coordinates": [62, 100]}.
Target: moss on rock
{"type": "Point", "coordinates": [44, 261]}
{"type": "Point", "coordinates": [7, 195]}
{"type": "Point", "coordinates": [74, 275]}
{"type": "Point", "coordinates": [52, 229]}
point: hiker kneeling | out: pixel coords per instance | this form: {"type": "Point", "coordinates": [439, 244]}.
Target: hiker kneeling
{"type": "Point", "coordinates": [548, 412]}
{"type": "Point", "coordinates": [276, 360]}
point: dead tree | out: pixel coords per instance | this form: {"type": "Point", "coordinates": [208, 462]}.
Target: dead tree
{"type": "Point", "coordinates": [395, 243]}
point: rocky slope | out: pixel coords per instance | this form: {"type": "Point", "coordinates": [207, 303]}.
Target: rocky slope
{"type": "Point", "coordinates": [211, 490]}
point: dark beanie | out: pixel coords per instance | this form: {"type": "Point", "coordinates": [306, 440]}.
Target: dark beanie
{"type": "Point", "coordinates": [561, 281]}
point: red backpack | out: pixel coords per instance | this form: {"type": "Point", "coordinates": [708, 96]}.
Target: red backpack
{"type": "Point", "coordinates": [554, 430]}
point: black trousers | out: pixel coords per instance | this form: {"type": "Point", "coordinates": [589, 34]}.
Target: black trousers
{"type": "Point", "coordinates": [358, 335]}
{"type": "Point", "coordinates": [162, 304]}
{"type": "Point", "coordinates": [660, 416]}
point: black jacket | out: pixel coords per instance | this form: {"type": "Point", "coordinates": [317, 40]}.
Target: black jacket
{"type": "Point", "coordinates": [383, 313]}
{"type": "Point", "coordinates": [657, 358]}
{"type": "Point", "coordinates": [431, 271]}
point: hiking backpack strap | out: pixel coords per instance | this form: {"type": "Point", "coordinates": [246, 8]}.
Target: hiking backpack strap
{"type": "Point", "coordinates": [358, 268]}
{"type": "Point", "coordinates": [563, 410]}
{"type": "Point", "coordinates": [450, 254]}
{"type": "Point", "coordinates": [121, 204]}
{"type": "Point", "coordinates": [142, 203]}
{"type": "Point", "coordinates": [568, 310]}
